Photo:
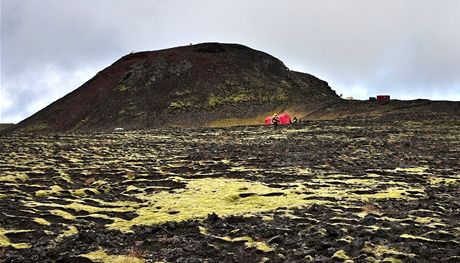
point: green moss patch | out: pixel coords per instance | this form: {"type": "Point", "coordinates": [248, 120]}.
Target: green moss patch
{"type": "Point", "coordinates": [14, 178]}
{"type": "Point", "coordinates": [205, 196]}
{"type": "Point", "coordinates": [102, 256]}
{"type": "Point", "coordinates": [249, 243]}
{"type": "Point", "coordinates": [5, 241]}
{"type": "Point", "coordinates": [54, 190]}
{"type": "Point", "coordinates": [42, 221]}
{"type": "Point", "coordinates": [341, 255]}
{"type": "Point", "coordinates": [63, 214]}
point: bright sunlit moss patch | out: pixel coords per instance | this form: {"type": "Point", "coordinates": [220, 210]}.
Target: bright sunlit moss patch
{"type": "Point", "coordinates": [102, 256]}
{"type": "Point", "coordinates": [14, 178]}
{"type": "Point", "coordinates": [427, 220]}
{"type": "Point", "coordinates": [5, 241]}
{"type": "Point", "coordinates": [267, 218]}
{"type": "Point", "coordinates": [42, 221]}
{"type": "Point", "coordinates": [69, 232]}
{"type": "Point", "coordinates": [347, 239]}
{"type": "Point", "coordinates": [54, 190]}
{"type": "Point", "coordinates": [62, 214]}
{"type": "Point", "coordinates": [203, 230]}
{"type": "Point", "coordinates": [349, 193]}
{"type": "Point", "coordinates": [381, 250]}
{"type": "Point", "coordinates": [249, 243]}
{"type": "Point", "coordinates": [392, 260]}
{"type": "Point", "coordinates": [340, 255]}
{"type": "Point", "coordinates": [407, 236]}
{"type": "Point", "coordinates": [204, 196]}
{"type": "Point", "coordinates": [304, 171]}
{"type": "Point", "coordinates": [94, 209]}
{"type": "Point", "coordinates": [84, 191]}
{"type": "Point", "coordinates": [440, 180]}
{"type": "Point", "coordinates": [411, 170]}
{"type": "Point", "coordinates": [118, 206]}
{"type": "Point", "coordinates": [232, 197]}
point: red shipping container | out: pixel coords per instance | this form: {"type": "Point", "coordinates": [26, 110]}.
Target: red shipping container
{"type": "Point", "coordinates": [383, 97]}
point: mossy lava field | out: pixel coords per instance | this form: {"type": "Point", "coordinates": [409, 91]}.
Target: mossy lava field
{"type": "Point", "coordinates": [349, 190]}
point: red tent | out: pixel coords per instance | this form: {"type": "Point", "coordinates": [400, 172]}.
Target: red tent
{"type": "Point", "coordinates": [284, 119]}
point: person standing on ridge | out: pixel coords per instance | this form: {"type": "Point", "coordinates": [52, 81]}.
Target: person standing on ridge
{"type": "Point", "coordinates": [275, 120]}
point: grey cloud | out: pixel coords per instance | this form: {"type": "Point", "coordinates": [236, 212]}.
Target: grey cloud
{"type": "Point", "coordinates": [408, 49]}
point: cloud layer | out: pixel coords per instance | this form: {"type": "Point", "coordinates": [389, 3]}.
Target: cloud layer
{"type": "Point", "coordinates": [408, 49]}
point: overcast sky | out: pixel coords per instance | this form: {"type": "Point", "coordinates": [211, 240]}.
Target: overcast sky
{"type": "Point", "coordinates": [406, 48]}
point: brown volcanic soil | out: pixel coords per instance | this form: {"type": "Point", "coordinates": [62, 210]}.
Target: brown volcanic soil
{"type": "Point", "coordinates": [367, 190]}
{"type": "Point", "coordinates": [185, 86]}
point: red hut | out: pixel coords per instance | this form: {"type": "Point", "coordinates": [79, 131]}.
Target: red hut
{"type": "Point", "coordinates": [383, 97]}
{"type": "Point", "coordinates": [284, 119]}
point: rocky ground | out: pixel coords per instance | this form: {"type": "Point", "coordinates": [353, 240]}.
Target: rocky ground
{"type": "Point", "coordinates": [350, 190]}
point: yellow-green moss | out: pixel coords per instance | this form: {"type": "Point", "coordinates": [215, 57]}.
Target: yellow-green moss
{"type": "Point", "coordinates": [63, 214]}
{"type": "Point", "coordinates": [102, 185]}
{"type": "Point", "coordinates": [5, 241]}
{"type": "Point", "coordinates": [407, 236]}
{"type": "Point", "coordinates": [118, 206]}
{"type": "Point", "coordinates": [214, 100]}
{"type": "Point", "coordinates": [411, 170]}
{"type": "Point", "coordinates": [204, 196]}
{"type": "Point", "coordinates": [267, 218]}
{"type": "Point", "coordinates": [49, 233]}
{"type": "Point", "coordinates": [249, 243]}
{"type": "Point", "coordinates": [304, 171]}
{"type": "Point", "coordinates": [42, 221]}
{"type": "Point", "coordinates": [381, 250]}
{"type": "Point", "coordinates": [176, 105]}
{"type": "Point", "coordinates": [14, 178]}
{"type": "Point", "coordinates": [130, 175]}
{"type": "Point", "coordinates": [102, 256]}
{"type": "Point", "coordinates": [99, 216]}
{"type": "Point", "coordinates": [69, 232]}
{"type": "Point", "coordinates": [131, 206]}
{"type": "Point", "coordinates": [340, 255]}
{"type": "Point", "coordinates": [242, 96]}
{"type": "Point", "coordinates": [66, 178]}
{"type": "Point", "coordinates": [347, 239]}
{"type": "Point", "coordinates": [54, 190]}
{"type": "Point", "coordinates": [348, 193]}
{"type": "Point", "coordinates": [133, 188]}
{"type": "Point", "coordinates": [122, 87]}
{"type": "Point", "coordinates": [391, 260]}
{"type": "Point", "coordinates": [203, 230]}
{"type": "Point", "coordinates": [440, 180]}
{"type": "Point", "coordinates": [427, 220]}
{"type": "Point", "coordinates": [222, 196]}
{"type": "Point", "coordinates": [83, 192]}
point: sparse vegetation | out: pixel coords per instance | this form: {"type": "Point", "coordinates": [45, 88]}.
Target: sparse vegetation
{"type": "Point", "coordinates": [322, 190]}
{"type": "Point", "coordinates": [122, 87]}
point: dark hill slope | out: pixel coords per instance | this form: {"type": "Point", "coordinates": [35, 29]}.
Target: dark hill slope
{"type": "Point", "coordinates": [4, 126]}
{"type": "Point", "coordinates": [201, 85]}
